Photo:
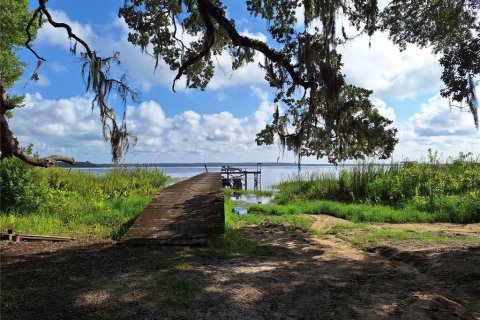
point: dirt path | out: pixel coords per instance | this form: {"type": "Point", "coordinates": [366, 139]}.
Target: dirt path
{"type": "Point", "coordinates": [323, 221]}
{"type": "Point", "coordinates": [292, 275]}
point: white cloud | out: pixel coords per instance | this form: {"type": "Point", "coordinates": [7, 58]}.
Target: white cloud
{"type": "Point", "coordinates": [214, 137]}
{"type": "Point", "coordinates": [437, 126]}
{"type": "Point", "coordinates": [249, 74]}
{"type": "Point", "coordinates": [385, 70]}
{"type": "Point", "coordinates": [384, 109]}
{"type": "Point", "coordinates": [65, 126]}
{"type": "Point", "coordinates": [438, 118]}
{"type": "Point", "coordinates": [68, 126]}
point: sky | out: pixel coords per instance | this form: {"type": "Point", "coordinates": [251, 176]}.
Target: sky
{"type": "Point", "coordinates": [220, 123]}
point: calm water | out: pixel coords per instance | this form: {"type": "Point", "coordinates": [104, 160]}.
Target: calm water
{"type": "Point", "coordinates": [271, 175]}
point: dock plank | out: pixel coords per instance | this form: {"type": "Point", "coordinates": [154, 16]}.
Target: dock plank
{"type": "Point", "coordinates": [186, 213]}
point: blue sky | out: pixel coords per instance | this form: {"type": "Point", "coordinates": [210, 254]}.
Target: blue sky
{"type": "Point", "coordinates": [219, 124]}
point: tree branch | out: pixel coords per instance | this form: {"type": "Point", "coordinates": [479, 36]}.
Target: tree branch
{"type": "Point", "coordinates": [208, 42]}
{"type": "Point", "coordinates": [29, 35]}
{"type": "Point", "coordinates": [9, 144]}
{"type": "Point", "coordinates": [5, 104]}
{"type": "Point", "coordinates": [65, 26]}
{"type": "Point", "coordinates": [254, 44]}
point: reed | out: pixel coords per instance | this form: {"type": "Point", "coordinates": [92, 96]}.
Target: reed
{"type": "Point", "coordinates": [448, 190]}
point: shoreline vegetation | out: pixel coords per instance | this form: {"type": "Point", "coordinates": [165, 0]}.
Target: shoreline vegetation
{"type": "Point", "coordinates": [431, 191]}
{"type": "Point", "coordinates": [377, 205]}
{"type": "Point", "coordinates": [73, 203]}
{"type": "Point", "coordinates": [292, 246]}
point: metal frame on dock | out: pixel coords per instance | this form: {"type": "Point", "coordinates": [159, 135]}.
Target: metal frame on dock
{"type": "Point", "coordinates": [237, 178]}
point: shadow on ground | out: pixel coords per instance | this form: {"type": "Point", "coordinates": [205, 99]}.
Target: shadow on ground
{"type": "Point", "coordinates": [299, 278]}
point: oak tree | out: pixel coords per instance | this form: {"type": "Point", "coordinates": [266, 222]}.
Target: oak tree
{"type": "Point", "coordinates": [318, 113]}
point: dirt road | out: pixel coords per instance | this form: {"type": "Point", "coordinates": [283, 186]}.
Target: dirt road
{"type": "Point", "coordinates": [295, 276]}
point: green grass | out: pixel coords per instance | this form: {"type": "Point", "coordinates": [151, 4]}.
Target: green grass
{"type": "Point", "coordinates": [427, 191]}
{"type": "Point", "coordinates": [109, 221]}
{"type": "Point", "coordinates": [59, 202]}
{"type": "Point", "coordinates": [365, 236]}
{"type": "Point", "coordinates": [352, 212]}
{"type": "Point", "coordinates": [234, 242]}
{"type": "Point", "coordinates": [451, 209]}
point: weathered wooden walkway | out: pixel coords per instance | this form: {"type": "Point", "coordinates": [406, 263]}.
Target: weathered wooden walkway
{"type": "Point", "coordinates": [188, 212]}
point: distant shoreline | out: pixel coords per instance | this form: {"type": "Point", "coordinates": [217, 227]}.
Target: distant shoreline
{"type": "Point", "coordinates": [82, 164]}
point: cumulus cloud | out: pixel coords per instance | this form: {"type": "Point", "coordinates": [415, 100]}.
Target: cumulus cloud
{"type": "Point", "coordinates": [65, 126]}
{"type": "Point", "coordinates": [202, 136]}
{"type": "Point", "coordinates": [68, 126]}
{"type": "Point", "coordinates": [438, 118]}
{"type": "Point", "coordinates": [437, 126]}
{"type": "Point", "coordinates": [58, 36]}
{"type": "Point", "coordinates": [384, 109]}
{"type": "Point", "coordinates": [387, 71]}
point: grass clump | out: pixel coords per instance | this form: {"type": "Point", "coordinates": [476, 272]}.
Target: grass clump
{"type": "Point", "coordinates": [71, 203]}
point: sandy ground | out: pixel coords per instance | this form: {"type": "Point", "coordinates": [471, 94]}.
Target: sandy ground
{"type": "Point", "coordinates": [296, 276]}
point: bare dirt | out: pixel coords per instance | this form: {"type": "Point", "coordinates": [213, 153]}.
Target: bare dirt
{"type": "Point", "coordinates": [294, 276]}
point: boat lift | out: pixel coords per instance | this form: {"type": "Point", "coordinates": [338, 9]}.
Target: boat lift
{"type": "Point", "coordinates": [236, 178]}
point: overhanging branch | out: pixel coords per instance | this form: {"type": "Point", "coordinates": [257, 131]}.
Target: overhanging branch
{"type": "Point", "coordinates": [9, 144]}
{"type": "Point", "coordinates": [254, 44]}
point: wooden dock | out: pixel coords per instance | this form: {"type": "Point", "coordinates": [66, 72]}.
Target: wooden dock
{"type": "Point", "coordinates": [186, 213]}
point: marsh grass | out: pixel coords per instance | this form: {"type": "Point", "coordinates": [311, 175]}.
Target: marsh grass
{"type": "Point", "coordinates": [60, 202]}
{"type": "Point", "coordinates": [352, 212]}
{"type": "Point", "coordinates": [429, 191]}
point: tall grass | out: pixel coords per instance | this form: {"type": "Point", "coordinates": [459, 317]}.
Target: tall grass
{"type": "Point", "coordinates": [450, 189]}
{"type": "Point", "coordinates": [62, 202]}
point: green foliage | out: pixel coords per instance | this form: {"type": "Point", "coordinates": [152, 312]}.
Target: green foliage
{"type": "Point", "coordinates": [58, 201]}
{"type": "Point", "coordinates": [16, 189]}
{"type": "Point", "coordinates": [449, 190]}
{"type": "Point", "coordinates": [352, 212]}
{"type": "Point", "coordinates": [14, 17]}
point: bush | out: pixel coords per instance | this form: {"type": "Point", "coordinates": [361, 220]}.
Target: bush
{"type": "Point", "coordinates": [17, 187]}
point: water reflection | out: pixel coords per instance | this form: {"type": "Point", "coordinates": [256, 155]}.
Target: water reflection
{"type": "Point", "coordinates": [251, 198]}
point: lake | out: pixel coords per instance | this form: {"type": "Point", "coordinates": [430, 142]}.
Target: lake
{"type": "Point", "coordinates": [271, 174]}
